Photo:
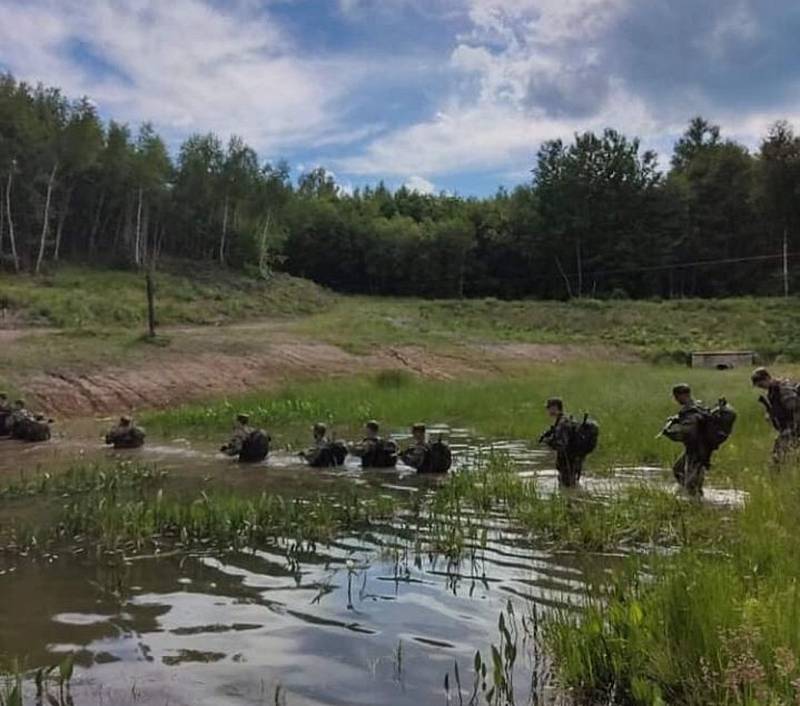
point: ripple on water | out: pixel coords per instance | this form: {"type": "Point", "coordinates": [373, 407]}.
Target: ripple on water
{"type": "Point", "coordinates": [363, 619]}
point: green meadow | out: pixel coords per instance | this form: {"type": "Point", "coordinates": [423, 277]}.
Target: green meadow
{"type": "Point", "coordinates": [631, 401]}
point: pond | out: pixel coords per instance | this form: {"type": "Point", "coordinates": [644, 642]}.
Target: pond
{"type": "Point", "coordinates": [369, 618]}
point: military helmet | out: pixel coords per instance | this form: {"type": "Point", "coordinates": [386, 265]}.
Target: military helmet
{"type": "Point", "coordinates": [419, 426]}
{"type": "Point", "coordinates": [243, 418]}
{"type": "Point", "coordinates": [372, 425]}
{"type": "Point", "coordinates": [320, 428]}
{"type": "Point", "coordinates": [554, 402]}
{"type": "Point", "coordinates": [125, 419]}
{"type": "Point", "coordinates": [681, 388]}
{"type": "Point", "coordinates": [759, 375]}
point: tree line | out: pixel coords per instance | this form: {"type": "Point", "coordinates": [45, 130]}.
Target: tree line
{"type": "Point", "coordinates": [597, 218]}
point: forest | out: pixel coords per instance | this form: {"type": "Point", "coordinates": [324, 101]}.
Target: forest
{"type": "Point", "coordinates": [599, 216]}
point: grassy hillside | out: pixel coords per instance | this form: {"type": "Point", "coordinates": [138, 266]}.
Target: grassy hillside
{"type": "Point", "coordinates": [661, 330]}
{"type": "Point", "coordinates": [77, 297]}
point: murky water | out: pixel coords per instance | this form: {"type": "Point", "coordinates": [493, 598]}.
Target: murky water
{"type": "Point", "coordinates": [340, 626]}
{"type": "Point", "coordinates": [363, 620]}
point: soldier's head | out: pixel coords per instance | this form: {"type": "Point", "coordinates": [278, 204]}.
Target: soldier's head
{"type": "Point", "coordinates": [242, 419]}
{"type": "Point", "coordinates": [418, 432]}
{"type": "Point", "coordinates": [3, 396]}
{"type": "Point", "coordinates": [19, 404]}
{"type": "Point", "coordinates": [554, 406]}
{"type": "Point", "coordinates": [125, 421]}
{"type": "Point", "coordinates": [682, 393]}
{"type": "Point", "coordinates": [371, 428]}
{"type": "Point", "coordinates": [320, 430]}
{"type": "Point", "coordinates": [761, 378]}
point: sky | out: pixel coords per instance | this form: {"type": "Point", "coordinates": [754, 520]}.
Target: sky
{"type": "Point", "coordinates": [453, 95]}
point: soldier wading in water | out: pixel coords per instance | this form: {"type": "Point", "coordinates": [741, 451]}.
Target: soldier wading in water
{"type": "Point", "coordinates": [126, 435]}
{"type": "Point", "coordinates": [782, 403]}
{"type": "Point", "coordinates": [424, 456]}
{"type": "Point", "coordinates": [324, 453]}
{"type": "Point", "coordinates": [375, 451]}
{"type": "Point", "coordinates": [701, 431]}
{"type": "Point", "coordinates": [248, 444]}
{"type": "Point", "coordinates": [572, 441]}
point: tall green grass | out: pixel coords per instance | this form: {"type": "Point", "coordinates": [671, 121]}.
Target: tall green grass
{"type": "Point", "coordinates": [697, 627]}
{"type": "Point", "coordinates": [630, 401]}
{"type": "Point", "coordinates": [662, 330]}
{"type": "Point", "coordinates": [88, 298]}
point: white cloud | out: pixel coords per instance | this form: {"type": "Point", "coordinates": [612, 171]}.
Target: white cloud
{"type": "Point", "coordinates": [186, 64]}
{"type": "Point", "coordinates": [506, 75]}
{"type": "Point", "coordinates": [420, 184]}
{"type": "Point", "coordinates": [533, 70]}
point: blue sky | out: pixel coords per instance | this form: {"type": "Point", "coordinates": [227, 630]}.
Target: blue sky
{"type": "Point", "coordinates": [438, 94]}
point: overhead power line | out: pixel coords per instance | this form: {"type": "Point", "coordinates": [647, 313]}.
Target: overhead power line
{"type": "Point", "coordinates": [692, 263]}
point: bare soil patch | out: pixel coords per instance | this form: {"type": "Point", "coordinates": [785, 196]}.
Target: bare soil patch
{"type": "Point", "coordinates": [168, 377]}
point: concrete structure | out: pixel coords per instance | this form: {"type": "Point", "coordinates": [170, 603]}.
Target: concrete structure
{"type": "Point", "coordinates": [722, 360]}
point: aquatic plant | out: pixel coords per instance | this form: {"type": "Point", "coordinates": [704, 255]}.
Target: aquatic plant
{"type": "Point", "coordinates": [696, 626]}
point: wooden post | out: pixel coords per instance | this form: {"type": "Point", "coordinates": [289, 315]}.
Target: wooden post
{"type": "Point", "coordinates": [786, 263]}
{"type": "Point", "coordinates": [151, 306]}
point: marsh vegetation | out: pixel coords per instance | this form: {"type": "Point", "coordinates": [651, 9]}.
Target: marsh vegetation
{"type": "Point", "coordinates": [640, 595]}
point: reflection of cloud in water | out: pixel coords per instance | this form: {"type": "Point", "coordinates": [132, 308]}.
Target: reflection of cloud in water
{"type": "Point", "coordinates": [325, 622]}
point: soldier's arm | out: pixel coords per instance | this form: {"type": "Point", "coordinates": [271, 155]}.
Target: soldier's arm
{"type": "Point", "coordinates": [676, 428]}
{"type": "Point", "coordinates": [358, 449]}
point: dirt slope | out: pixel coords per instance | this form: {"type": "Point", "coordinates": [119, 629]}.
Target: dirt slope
{"type": "Point", "coordinates": [172, 379]}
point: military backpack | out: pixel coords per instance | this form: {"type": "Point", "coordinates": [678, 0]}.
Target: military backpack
{"type": "Point", "coordinates": [583, 436]}
{"type": "Point", "coordinates": [716, 424]}
{"type": "Point", "coordinates": [255, 447]}
{"type": "Point", "coordinates": [382, 455]}
{"type": "Point", "coordinates": [330, 455]}
{"type": "Point", "coordinates": [438, 458]}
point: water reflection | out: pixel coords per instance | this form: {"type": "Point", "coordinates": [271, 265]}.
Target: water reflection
{"type": "Point", "coordinates": [365, 619]}
{"type": "Point", "coordinates": [327, 626]}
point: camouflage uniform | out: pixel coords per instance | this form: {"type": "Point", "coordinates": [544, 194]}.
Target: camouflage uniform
{"type": "Point", "coordinates": [376, 452]}
{"type": "Point", "coordinates": [691, 466]}
{"type": "Point", "coordinates": [784, 402]}
{"type": "Point", "coordinates": [5, 415]}
{"type": "Point", "coordinates": [568, 465]}
{"type": "Point", "coordinates": [37, 428]}
{"type": "Point", "coordinates": [240, 435]}
{"type": "Point", "coordinates": [316, 453]}
{"type": "Point", "coordinates": [18, 421]}
{"type": "Point", "coordinates": [126, 435]}
{"type": "Point", "coordinates": [367, 448]}
{"type": "Point", "coordinates": [414, 456]}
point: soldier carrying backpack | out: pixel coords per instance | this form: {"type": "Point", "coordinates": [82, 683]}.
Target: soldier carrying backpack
{"type": "Point", "coordinates": [249, 444]}
{"type": "Point", "coordinates": [375, 451]}
{"type": "Point", "coordinates": [126, 435]}
{"type": "Point", "coordinates": [427, 457]}
{"type": "Point", "coordinates": [783, 410]}
{"type": "Point", "coordinates": [324, 453]}
{"type": "Point", "coordinates": [572, 441]}
{"type": "Point", "coordinates": [701, 431]}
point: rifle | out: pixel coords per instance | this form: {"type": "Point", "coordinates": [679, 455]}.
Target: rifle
{"type": "Point", "coordinates": [770, 412]}
{"type": "Point", "coordinates": [547, 434]}
{"type": "Point", "coordinates": [670, 421]}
